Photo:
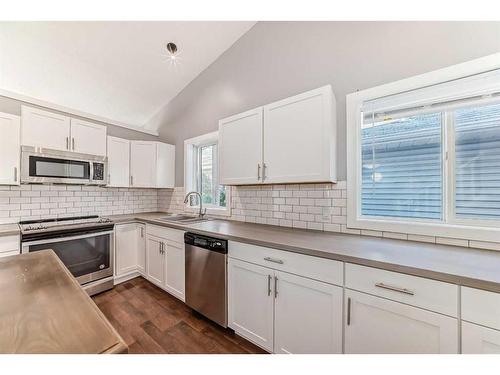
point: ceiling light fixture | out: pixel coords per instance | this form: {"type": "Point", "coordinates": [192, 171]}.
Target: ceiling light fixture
{"type": "Point", "coordinates": [172, 51]}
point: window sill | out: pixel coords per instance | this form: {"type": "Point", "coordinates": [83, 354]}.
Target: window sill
{"type": "Point", "coordinates": [466, 232]}
{"type": "Point", "coordinates": [210, 210]}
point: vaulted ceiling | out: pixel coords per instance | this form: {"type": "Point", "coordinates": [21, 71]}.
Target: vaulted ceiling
{"type": "Point", "coordinates": [115, 70]}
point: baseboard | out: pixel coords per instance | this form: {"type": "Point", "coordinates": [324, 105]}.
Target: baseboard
{"type": "Point", "coordinates": [128, 276]}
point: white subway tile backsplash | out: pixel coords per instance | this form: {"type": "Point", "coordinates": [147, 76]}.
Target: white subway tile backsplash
{"type": "Point", "coordinates": [419, 238]}
{"type": "Point", "coordinates": [45, 201]}
{"type": "Point", "coordinates": [307, 206]}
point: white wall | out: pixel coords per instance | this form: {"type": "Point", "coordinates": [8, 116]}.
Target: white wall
{"type": "Point", "coordinates": [278, 59]}
{"type": "Point", "coordinates": [13, 106]}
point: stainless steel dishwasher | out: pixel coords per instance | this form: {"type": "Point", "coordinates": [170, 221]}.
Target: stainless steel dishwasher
{"type": "Point", "coordinates": [206, 276]}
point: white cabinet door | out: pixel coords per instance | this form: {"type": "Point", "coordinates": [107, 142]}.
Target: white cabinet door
{"type": "Point", "coordinates": [240, 148]}
{"type": "Point", "coordinates": [307, 316]}
{"type": "Point", "coordinates": [45, 129]}
{"type": "Point", "coordinates": [379, 326]}
{"type": "Point", "coordinates": [479, 340]}
{"type": "Point", "coordinates": [118, 162]}
{"type": "Point", "coordinates": [299, 138]}
{"type": "Point", "coordinates": [141, 248]}
{"type": "Point", "coordinates": [10, 130]}
{"type": "Point", "coordinates": [88, 138]}
{"type": "Point", "coordinates": [155, 259]}
{"type": "Point", "coordinates": [165, 166]}
{"type": "Point", "coordinates": [125, 248]}
{"type": "Point", "coordinates": [142, 164]}
{"type": "Point", "coordinates": [175, 270]}
{"type": "Point", "coordinates": [251, 302]}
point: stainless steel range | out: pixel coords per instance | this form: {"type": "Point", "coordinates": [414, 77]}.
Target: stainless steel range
{"type": "Point", "coordinates": [83, 243]}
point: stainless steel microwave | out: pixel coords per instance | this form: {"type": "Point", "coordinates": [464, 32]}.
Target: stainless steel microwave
{"type": "Point", "coordinates": [45, 166]}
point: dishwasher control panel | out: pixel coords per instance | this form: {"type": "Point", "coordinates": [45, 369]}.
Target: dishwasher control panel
{"type": "Point", "coordinates": [205, 242]}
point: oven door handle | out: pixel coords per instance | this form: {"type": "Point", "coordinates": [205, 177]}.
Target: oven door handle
{"type": "Point", "coordinates": [26, 244]}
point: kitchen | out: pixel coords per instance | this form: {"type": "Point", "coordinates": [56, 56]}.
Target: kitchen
{"type": "Point", "coordinates": [301, 207]}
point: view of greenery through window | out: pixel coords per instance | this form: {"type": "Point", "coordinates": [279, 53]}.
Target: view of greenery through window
{"type": "Point", "coordinates": [212, 193]}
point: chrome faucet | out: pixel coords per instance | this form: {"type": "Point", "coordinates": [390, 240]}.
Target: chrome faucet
{"type": "Point", "coordinates": [202, 211]}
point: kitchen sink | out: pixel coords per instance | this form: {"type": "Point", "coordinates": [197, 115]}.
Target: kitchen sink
{"type": "Point", "coordinates": [184, 219]}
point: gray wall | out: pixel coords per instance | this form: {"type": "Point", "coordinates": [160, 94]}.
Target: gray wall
{"type": "Point", "coordinates": [278, 59]}
{"type": "Point", "coordinates": [13, 106]}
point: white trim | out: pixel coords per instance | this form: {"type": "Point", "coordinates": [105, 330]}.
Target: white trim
{"type": "Point", "coordinates": [71, 111]}
{"type": "Point", "coordinates": [189, 144]}
{"type": "Point", "coordinates": [126, 277]}
{"type": "Point", "coordinates": [453, 228]}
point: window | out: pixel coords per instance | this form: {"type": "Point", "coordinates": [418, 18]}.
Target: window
{"type": "Point", "coordinates": [477, 162]}
{"type": "Point", "coordinates": [202, 174]}
{"type": "Point", "coordinates": [426, 160]}
{"type": "Point", "coordinates": [402, 171]}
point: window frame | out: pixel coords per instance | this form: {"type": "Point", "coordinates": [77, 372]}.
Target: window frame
{"type": "Point", "coordinates": [192, 163]}
{"type": "Point", "coordinates": [471, 229]}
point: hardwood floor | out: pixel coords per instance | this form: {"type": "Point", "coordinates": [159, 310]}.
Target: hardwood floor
{"type": "Point", "coordinates": [152, 321]}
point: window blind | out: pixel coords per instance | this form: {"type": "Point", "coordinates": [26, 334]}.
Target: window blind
{"type": "Point", "coordinates": [402, 167]}
{"type": "Point", "coordinates": [434, 98]}
{"type": "Point", "coordinates": [477, 162]}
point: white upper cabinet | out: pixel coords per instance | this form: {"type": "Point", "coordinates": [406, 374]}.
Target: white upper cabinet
{"type": "Point", "coordinates": [142, 164]}
{"type": "Point", "coordinates": [299, 138]}
{"type": "Point", "coordinates": [240, 139]}
{"type": "Point", "coordinates": [152, 164]}
{"type": "Point", "coordinates": [165, 165]}
{"type": "Point", "coordinates": [289, 141]}
{"type": "Point", "coordinates": [45, 129]}
{"type": "Point", "coordinates": [88, 138]}
{"type": "Point", "coordinates": [118, 162]}
{"type": "Point", "coordinates": [59, 132]}
{"type": "Point", "coordinates": [9, 149]}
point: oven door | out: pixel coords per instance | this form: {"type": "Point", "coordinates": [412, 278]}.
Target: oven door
{"type": "Point", "coordinates": [88, 257]}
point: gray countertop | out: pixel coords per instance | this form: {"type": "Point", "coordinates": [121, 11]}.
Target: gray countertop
{"type": "Point", "coordinates": [464, 266]}
{"type": "Point", "coordinates": [9, 229]}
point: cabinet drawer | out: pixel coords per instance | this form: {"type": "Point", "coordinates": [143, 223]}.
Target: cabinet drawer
{"type": "Point", "coordinates": [9, 243]}
{"type": "Point", "coordinates": [170, 234]}
{"type": "Point", "coordinates": [326, 270]}
{"type": "Point", "coordinates": [481, 307]}
{"type": "Point", "coordinates": [412, 290]}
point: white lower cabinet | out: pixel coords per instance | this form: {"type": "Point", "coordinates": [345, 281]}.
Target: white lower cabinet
{"type": "Point", "coordinates": [130, 250]}
{"type": "Point", "coordinates": [165, 259]}
{"type": "Point", "coordinates": [251, 302]}
{"type": "Point", "coordinates": [284, 313]}
{"type": "Point", "coordinates": [155, 260]}
{"type": "Point", "coordinates": [379, 326]}
{"type": "Point", "coordinates": [307, 316]}
{"type": "Point", "coordinates": [175, 269]}
{"type": "Point", "coordinates": [141, 248]}
{"type": "Point", "coordinates": [479, 340]}
{"type": "Point", "coordinates": [125, 249]}
{"type": "Point", "coordinates": [9, 245]}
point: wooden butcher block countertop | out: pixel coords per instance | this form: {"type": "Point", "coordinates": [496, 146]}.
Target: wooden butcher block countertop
{"type": "Point", "coordinates": [43, 309]}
